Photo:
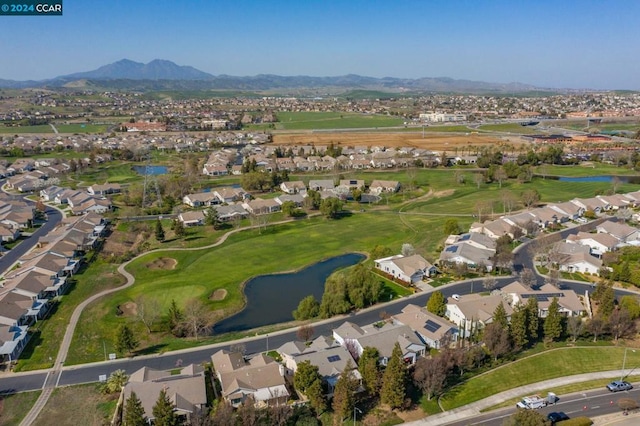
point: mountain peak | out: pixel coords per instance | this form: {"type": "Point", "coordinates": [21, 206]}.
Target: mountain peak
{"type": "Point", "coordinates": [157, 69]}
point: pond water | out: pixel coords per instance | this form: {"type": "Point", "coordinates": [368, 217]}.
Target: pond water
{"type": "Point", "coordinates": [151, 170]}
{"type": "Point", "coordinates": [605, 178]}
{"type": "Point", "coordinates": [271, 299]}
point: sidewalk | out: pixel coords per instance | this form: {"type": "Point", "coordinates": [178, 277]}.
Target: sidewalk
{"type": "Point", "coordinates": [474, 409]}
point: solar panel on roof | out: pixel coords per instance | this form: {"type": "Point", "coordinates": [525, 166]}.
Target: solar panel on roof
{"type": "Point", "coordinates": [451, 249]}
{"type": "Point", "coordinates": [465, 237]}
{"type": "Point", "coordinates": [432, 326]}
{"type": "Point", "coordinates": [333, 358]}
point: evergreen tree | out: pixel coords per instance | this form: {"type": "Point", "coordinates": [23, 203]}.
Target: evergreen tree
{"type": "Point", "coordinates": [174, 316]}
{"type": "Point", "coordinates": [519, 331]}
{"type": "Point", "coordinates": [607, 302]}
{"type": "Point", "coordinates": [500, 316]}
{"type": "Point", "coordinates": [344, 392]}
{"type": "Point", "coordinates": [370, 371]}
{"type": "Point", "coordinates": [306, 374]}
{"type": "Point", "coordinates": [553, 322]}
{"type": "Point", "coordinates": [125, 340]}
{"type": "Point", "coordinates": [159, 231]}
{"type": "Point", "coordinates": [163, 414]}
{"type": "Point", "coordinates": [178, 228]}
{"type": "Point", "coordinates": [437, 304]}
{"type": "Point", "coordinates": [533, 319]}
{"type": "Point", "coordinates": [317, 399]}
{"type": "Point", "coordinates": [133, 412]}
{"type": "Point", "coordinates": [394, 380]}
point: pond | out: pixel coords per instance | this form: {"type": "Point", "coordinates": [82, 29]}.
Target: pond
{"type": "Point", "coordinates": [271, 299]}
{"type": "Point", "coordinates": [603, 178]}
{"type": "Point", "coordinates": [151, 170]}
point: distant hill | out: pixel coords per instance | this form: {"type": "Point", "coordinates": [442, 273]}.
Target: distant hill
{"type": "Point", "coordinates": [157, 69]}
{"type": "Point", "coordinates": [167, 76]}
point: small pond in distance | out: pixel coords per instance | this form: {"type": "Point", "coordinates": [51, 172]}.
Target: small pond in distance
{"type": "Point", "coordinates": [271, 299]}
{"type": "Point", "coordinates": [151, 170]}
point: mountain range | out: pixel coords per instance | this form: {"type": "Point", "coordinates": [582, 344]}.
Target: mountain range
{"type": "Point", "coordinates": [165, 75]}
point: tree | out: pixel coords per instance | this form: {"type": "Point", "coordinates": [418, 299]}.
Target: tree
{"type": "Point", "coordinates": [526, 418]}
{"type": "Point", "coordinates": [316, 394]}
{"type": "Point", "coordinates": [575, 326]}
{"type": "Point", "coordinates": [196, 317]}
{"type": "Point", "coordinates": [553, 322]}
{"type": "Point", "coordinates": [163, 414]}
{"type": "Point", "coordinates": [530, 197]}
{"type": "Point", "coordinates": [606, 300]}
{"type": "Point", "coordinates": [305, 375]}
{"type": "Point", "coordinates": [331, 207]}
{"type": "Point", "coordinates": [394, 380]}
{"type": "Point", "coordinates": [533, 319]}
{"type": "Point", "coordinates": [500, 176]}
{"type": "Point", "coordinates": [305, 332]}
{"type": "Point", "coordinates": [489, 283]}
{"type": "Point", "coordinates": [451, 227]}
{"type": "Point", "coordinates": [407, 250]}
{"type": "Point", "coordinates": [147, 310]}
{"type": "Point", "coordinates": [528, 277]}
{"type": "Point", "coordinates": [430, 375]}
{"type": "Point", "coordinates": [159, 231]}
{"type": "Point", "coordinates": [370, 370]}
{"type": "Point", "coordinates": [437, 304]}
{"type": "Point", "coordinates": [313, 199]}
{"type": "Point", "coordinates": [630, 303]}
{"type": "Point", "coordinates": [597, 326]}
{"type": "Point", "coordinates": [125, 340]}
{"type": "Point", "coordinates": [500, 316]}
{"type": "Point", "coordinates": [134, 412]}
{"type": "Point", "coordinates": [175, 317]}
{"type": "Point", "coordinates": [289, 208]}
{"type": "Point", "coordinates": [479, 179]}
{"type": "Point", "coordinates": [519, 330]}
{"type": "Point", "coordinates": [115, 382]}
{"type": "Point", "coordinates": [178, 228]}
{"type": "Point", "coordinates": [212, 218]}
{"type": "Point", "coordinates": [344, 392]}
{"type": "Point", "coordinates": [307, 308]}
{"type": "Point", "coordinates": [621, 324]}
{"type": "Point", "coordinates": [496, 338]}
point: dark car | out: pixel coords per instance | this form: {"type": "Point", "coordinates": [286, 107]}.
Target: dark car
{"type": "Point", "coordinates": [619, 385]}
{"type": "Point", "coordinates": [557, 416]}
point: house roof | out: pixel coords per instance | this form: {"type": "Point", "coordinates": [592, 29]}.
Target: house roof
{"type": "Point", "coordinates": [424, 322]}
{"type": "Point", "coordinates": [477, 307]}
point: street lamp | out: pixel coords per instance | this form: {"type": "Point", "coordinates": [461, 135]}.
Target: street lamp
{"type": "Point", "coordinates": [267, 343]}
{"type": "Point", "coordinates": [624, 361]}
{"type": "Point", "coordinates": [355, 410]}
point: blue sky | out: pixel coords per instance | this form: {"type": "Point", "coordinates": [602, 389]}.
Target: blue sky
{"type": "Point", "coordinates": [563, 44]}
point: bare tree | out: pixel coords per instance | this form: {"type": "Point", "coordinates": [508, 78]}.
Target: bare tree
{"type": "Point", "coordinates": [429, 375]}
{"type": "Point", "coordinates": [528, 277]}
{"type": "Point", "coordinates": [305, 332]}
{"type": "Point", "coordinates": [500, 175]}
{"type": "Point", "coordinates": [238, 348]}
{"type": "Point", "coordinates": [351, 346]}
{"type": "Point", "coordinates": [575, 326]}
{"type": "Point", "coordinates": [597, 327]}
{"type": "Point", "coordinates": [553, 277]}
{"type": "Point", "coordinates": [509, 200]}
{"type": "Point", "coordinates": [621, 324]}
{"type": "Point", "coordinates": [490, 283]}
{"type": "Point", "coordinates": [197, 317]}
{"type": "Point", "coordinates": [408, 250]}
{"type": "Point", "coordinates": [479, 179]}
{"type": "Point", "coordinates": [147, 310]}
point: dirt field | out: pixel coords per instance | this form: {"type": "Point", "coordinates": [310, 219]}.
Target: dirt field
{"type": "Point", "coordinates": [166, 263]}
{"type": "Point", "coordinates": [437, 142]}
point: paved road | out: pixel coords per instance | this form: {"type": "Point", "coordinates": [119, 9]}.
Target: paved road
{"type": "Point", "coordinates": [591, 404]}
{"type": "Point", "coordinates": [53, 218]}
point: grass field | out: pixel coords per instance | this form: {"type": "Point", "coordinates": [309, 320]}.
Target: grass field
{"type": "Point", "coordinates": [81, 128]}
{"type": "Point", "coordinates": [333, 120]}
{"type": "Point", "coordinates": [14, 407]}
{"type": "Point", "coordinates": [43, 128]}
{"type": "Point", "coordinates": [77, 405]}
{"type": "Point", "coordinates": [585, 169]}
{"type": "Point", "coordinates": [543, 366]}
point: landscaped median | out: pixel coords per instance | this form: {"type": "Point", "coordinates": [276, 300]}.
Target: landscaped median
{"type": "Point", "coordinates": [539, 367]}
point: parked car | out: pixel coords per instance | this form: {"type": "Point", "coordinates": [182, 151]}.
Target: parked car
{"type": "Point", "coordinates": [532, 402]}
{"type": "Point", "coordinates": [557, 416]}
{"type": "Point", "coordinates": [619, 385]}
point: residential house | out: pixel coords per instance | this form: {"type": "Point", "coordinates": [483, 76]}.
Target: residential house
{"type": "Point", "coordinates": [321, 185]}
{"type": "Point", "coordinates": [106, 189]}
{"type": "Point", "coordinates": [432, 329]}
{"type": "Point", "coordinates": [474, 311]}
{"type": "Point", "coordinates": [581, 262]}
{"type": "Point", "coordinates": [262, 206]}
{"type": "Point", "coordinates": [186, 389]}
{"type": "Point", "coordinates": [568, 301]}
{"type": "Point", "coordinates": [192, 218]}
{"type": "Point", "coordinates": [598, 244]}
{"type": "Point", "coordinates": [13, 339]}
{"type": "Point", "coordinates": [379, 186]}
{"type": "Point", "coordinates": [230, 212]}
{"type": "Point", "coordinates": [297, 199]}
{"type": "Point", "coordinates": [621, 231]}
{"type": "Point", "coordinates": [293, 187]}
{"type": "Point", "coordinates": [568, 209]}
{"type": "Point", "coordinates": [230, 194]}
{"type": "Point", "coordinates": [410, 269]}
{"type": "Point", "coordinates": [200, 199]}
{"type": "Point", "coordinates": [326, 354]}
{"type": "Point", "coordinates": [260, 378]}
{"type": "Point", "coordinates": [383, 336]}
{"type": "Point", "coordinates": [467, 254]}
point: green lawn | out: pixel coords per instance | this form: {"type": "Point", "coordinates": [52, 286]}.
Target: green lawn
{"type": "Point", "coordinates": [81, 128]}
{"type": "Point", "coordinates": [16, 406]}
{"type": "Point", "coordinates": [42, 128]}
{"type": "Point", "coordinates": [333, 120]}
{"type": "Point", "coordinates": [588, 169]}
{"type": "Point", "coordinates": [448, 128]}
{"type": "Point", "coordinates": [537, 368]}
